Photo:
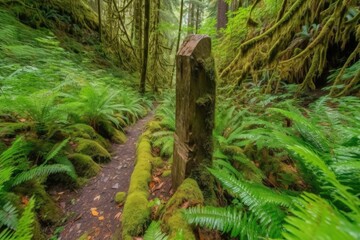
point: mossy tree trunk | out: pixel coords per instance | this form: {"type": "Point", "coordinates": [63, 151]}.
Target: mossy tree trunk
{"type": "Point", "coordinates": [195, 103]}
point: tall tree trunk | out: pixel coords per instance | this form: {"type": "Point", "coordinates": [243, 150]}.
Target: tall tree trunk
{"type": "Point", "coordinates": [100, 23]}
{"type": "Point", "coordinates": [179, 37]}
{"type": "Point", "coordinates": [221, 14]}
{"type": "Point", "coordinates": [191, 16]}
{"type": "Point", "coordinates": [146, 47]}
{"type": "Point", "coordinates": [198, 20]}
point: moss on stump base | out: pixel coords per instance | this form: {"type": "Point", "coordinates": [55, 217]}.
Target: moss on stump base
{"type": "Point", "coordinates": [172, 219]}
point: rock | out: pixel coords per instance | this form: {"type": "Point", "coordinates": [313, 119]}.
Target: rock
{"type": "Point", "coordinates": [115, 186]}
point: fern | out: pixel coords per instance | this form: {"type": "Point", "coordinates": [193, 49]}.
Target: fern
{"type": "Point", "coordinates": [8, 216]}
{"type": "Point", "coordinates": [55, 151]}
{"type": "Point", "coordinates": [154, 232]}
{"type": "Point", "coordinates": [314, 218]}
{"type": "Point", "coordinates": [24, 230]}
{"type": "Point", "coordinates": [40, 171]}
{"type": "Point", "coordinates": [227, 220]}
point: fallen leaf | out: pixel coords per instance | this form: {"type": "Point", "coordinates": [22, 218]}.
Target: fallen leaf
{"type": "Point", "coordinates": [156, 179]}
{"type": "Point", "coordinates": [101, 218]}
{"type": "Point", "coordinates": [97, 198]}
{"type": "Point", "coordinates": [25, 200]}
{"type": "Point", "coordinates": [118, 215]}
{"type": "Point", "coordinates": [152, 185]}
{"type": "Point", "coordinates": [94, 212]}
{"type": "Point", "coordinates": [60, 193]}
{"type": "Point", "coordinates": [93, 209]}
{"type": "Point", "coordinates": [185, 205]}
{"type": "Point", "coordinates": [22, 120]}
{"type": "Point", "coordinates": [158, 187]}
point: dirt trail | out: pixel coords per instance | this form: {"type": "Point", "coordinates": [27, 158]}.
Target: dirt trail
{"type": "Point", "coordinates": [100, 191]}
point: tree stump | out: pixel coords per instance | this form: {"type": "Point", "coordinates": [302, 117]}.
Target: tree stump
{"type": "Point", "coordinates": [195, 107]}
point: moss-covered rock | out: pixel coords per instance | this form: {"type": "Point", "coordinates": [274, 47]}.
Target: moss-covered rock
{"type": "Point", "coordinates": [84, 165]}
{"type": "Point", "coordinates": [108, 130]}
{"type": "Point", "coordinates": [80, 130]}
{"type": "Point", "coordinates": [118, 137]}
{"type": "Point", "coordinates": [48, 211]}
{"type": "Point", "coordinates": [172, 219]}
{"type": "Point", "coordinates": [120, 197]}
{"type": "Point", "coordinates": [93, 149]}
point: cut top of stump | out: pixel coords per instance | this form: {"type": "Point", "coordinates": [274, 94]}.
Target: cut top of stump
{"type": "Point", "coordinates": [197, 45]}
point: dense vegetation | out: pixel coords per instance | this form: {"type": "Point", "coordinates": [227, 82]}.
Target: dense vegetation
{"type": "Point", "coordinates": [286, 161]}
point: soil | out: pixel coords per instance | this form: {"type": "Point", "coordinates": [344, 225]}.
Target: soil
{"type": "Point", "coordinates": [92, 209]}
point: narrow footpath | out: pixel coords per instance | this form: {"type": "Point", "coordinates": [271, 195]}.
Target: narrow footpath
{"type": "Point", "coordinates": [98, 194]}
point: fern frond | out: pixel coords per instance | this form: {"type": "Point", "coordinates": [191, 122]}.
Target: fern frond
{"type": "Point", "coordinates": [55, 151]}
{"type": "Point", "coordinates": [24, 230]}
{"type": "Point", "coordinates": [8, 216]}
{"type": "Point", "coordinates": [154, 232]}
{"type": "Point", "coordinates": [314, 218]}
{"type": "Point", "coordinates": [227, 220]}
{"type": "Point", "coordinates": [40, 171]}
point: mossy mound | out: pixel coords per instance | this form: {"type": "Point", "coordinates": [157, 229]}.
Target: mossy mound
{"type": "Point", "coordinates": [120, 197]}
{"type": "Point", "coordinates": [136, 215]}
{"type": "Point", "coordinates": [172, 219]}
{"type": "Point", "coordinates": [118, 137]}
{"type": "Point", "coordinates": [154, 126]}
{"type": "Point", "coordinates": [108, 130]}
{"type": "Point", "coordinates": [136, 212]}
{"type": "Point", "coordinates": [93, 149]}
{"type": "Point", "coordinates": [11, 129]}
{"type": "Point", "coordinates": [48, 211]}
{"type": "Point", "coordinates": [80, 130]}
{"type": "Point", "coordinates": [84, 165]}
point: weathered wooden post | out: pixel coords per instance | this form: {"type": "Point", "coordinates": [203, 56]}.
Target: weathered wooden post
{"type": "Point", "coordinates": [195, 103]}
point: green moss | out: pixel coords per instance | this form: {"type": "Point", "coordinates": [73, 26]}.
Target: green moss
{"type": "Point", "coordinates": [172, 219]}
{"type": "Point", "coordinates": [11, 129]}
{"type": "Point", "coordinates": [176, 223]}
{"type": "Point", "coordinates": [166, 173]}
{"type": "Point", "coordinates": [140, 179]}
{"type": "Point", "coordinates": [108, 130]}
{"type": "Point", "coordinates": [136, 214]}
{"type": "Point", "coordinates": [93, 149]}
{"type": "Point", "coordinates": [120, 197]}
{"type": "Point", "coordinates": [84, 165]}
{"type": "Point", "coordinates": [157, 162]}
{"type": "Point", "coordinates": [80, 130]}
{"type": "Point", "coordinates": [48, 211]}
{"type": "Point", "coordinates": [37, 233]}
{"type": "Point", "coordinates": [85, 236]}
{"type": "Point", "coordinates": [118, 137]}
{"type": "Point", "coordinates": [154, 126]}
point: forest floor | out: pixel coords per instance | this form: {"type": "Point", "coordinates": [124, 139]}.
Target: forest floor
{"type": "Point", "coordinates": [93, 210]}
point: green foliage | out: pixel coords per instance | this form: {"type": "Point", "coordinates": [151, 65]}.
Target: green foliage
{"type": "Point", "coordinates": [24, 229]}
{"type": "Point", "coordinates": [314, 218]}
{"type": "Point", "coordinates": [154, 232]}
